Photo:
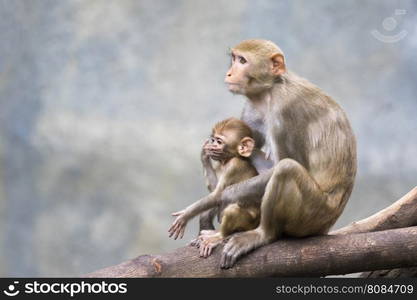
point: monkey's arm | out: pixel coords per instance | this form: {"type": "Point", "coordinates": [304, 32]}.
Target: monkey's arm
{"type": "Point", "coordinates": [248, 192]}
{"type": "Point", "coordinates": [178, 226]}
{"type": "Point", "coordinates": [213, 199]}
{"type": "Point", "coordinates": [205, 203]}
{"type": "Point", "coordinates": [209, 173]}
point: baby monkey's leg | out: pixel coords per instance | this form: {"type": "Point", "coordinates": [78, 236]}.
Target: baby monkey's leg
{"type": "Point", "coordinates": [234, 219]}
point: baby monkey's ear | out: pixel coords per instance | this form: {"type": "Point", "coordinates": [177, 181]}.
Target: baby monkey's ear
{"type": "Point", "coordinates": [246, 147]}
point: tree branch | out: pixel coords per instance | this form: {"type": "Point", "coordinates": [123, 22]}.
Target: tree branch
{"type": "Point", "coordinates": [347, 250]}
{"type": "Point", "coordinates": [315, 256]}
{"type": "Point", "coordinates": [402, 213]}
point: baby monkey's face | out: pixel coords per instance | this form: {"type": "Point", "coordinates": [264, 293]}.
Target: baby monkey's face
{"type": "Point", "coordinates": [217, 140]}
{"type": "Point", "coordinates": [229, 138]}
{"type": "Point", "coordinates": [217, 143]}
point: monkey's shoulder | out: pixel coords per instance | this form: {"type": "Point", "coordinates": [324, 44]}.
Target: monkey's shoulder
{"type": "Point", "coordinates": [256, 122]}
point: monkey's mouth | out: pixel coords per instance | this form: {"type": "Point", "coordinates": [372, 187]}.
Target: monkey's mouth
{"type": "Point", "coordinates": [232, 85]}
{"type": "Point", "coordinates": [234, 88]}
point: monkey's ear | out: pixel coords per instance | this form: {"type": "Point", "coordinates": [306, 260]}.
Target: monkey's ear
{"type": "Point", "coordinates": [246, 146]}
{"type": "Point", "coordinates": [278, 64]}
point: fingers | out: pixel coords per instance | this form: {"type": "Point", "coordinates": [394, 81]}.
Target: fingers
{"type": "Point", "coordinates": [205, 250]}
{"type": "Point", "coordinates": [210, 250]}
{"type": "Point", "coordinates": [172, 229]}
{"type": "Point", "coordinates": [179, 232]}
{"type": "Point", "coordinates": [202, 247]}
{"type": "Point", "coordinates": [194, 243]}
{"type": "Point", "coordinates": [174, 225]}
{"type": "Point", "coordinates": [176, 229]}
{"type": "Point", "coordinates": [229, 256]}
{"type": "Point", "coordinates": [216, 156]}
{"type": "Point", "coordinates": [173, 232]}
{"type": "Point", "coordinates": [215, 153]}
{"type": "Point", "coordinates": [211, 150]}
{"type": "Point", "coordinates": [227, 260]}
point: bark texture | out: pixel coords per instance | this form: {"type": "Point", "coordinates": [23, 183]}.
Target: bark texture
{"type": "Point", "coordinates": [379, 244]}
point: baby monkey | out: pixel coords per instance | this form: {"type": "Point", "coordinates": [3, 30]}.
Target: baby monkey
{"type": "Point", "coordinates": [234, 137]}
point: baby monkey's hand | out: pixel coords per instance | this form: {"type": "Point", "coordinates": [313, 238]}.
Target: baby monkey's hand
{"type": "Point", "coordinates": [178, 226]}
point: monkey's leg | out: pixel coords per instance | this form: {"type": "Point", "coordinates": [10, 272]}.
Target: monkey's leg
{"type": "Point", "coordinates": [206, 219]}
{"type": "Point", "coordinates": [234, 219]}
{"type": "Point", "coordinates": [293, 203]}
{"type": "Point", "coordinates": [209, 241]}
{"type": "Point", "coordinates": [206, 224]}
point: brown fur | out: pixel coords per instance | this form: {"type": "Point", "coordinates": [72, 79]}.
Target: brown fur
{"type": "Point", "coordinates": [307, 137]}
{"type": "Point", "coordinates": [233, 169]}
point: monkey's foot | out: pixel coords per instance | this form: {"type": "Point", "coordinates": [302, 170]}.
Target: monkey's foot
{"type": "Point", "coordinates": [203, 233]}
{"type": "Point", "coordinates": [208, 243]}
{"type": "Point", "coordinates": [195, 242]}
{"type": "Point", "coordinates": [240, 244]}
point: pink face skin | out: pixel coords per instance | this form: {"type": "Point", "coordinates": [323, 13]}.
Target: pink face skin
{"type": "Point", "coordinates": [215, 148]}
{"type": "Point", "coordinates": [236, 77]}
{"type": "Point", "coordinates": [239, 78]}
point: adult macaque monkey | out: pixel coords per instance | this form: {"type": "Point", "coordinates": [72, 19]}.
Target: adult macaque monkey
{"type": "Point", "coordinates": [234, 138]}
{"type": "Point", "coordinates": [308, 138]}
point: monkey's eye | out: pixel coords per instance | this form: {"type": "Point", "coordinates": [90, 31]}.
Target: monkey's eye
{"type": "Point", "coordinates": [219, 141]}
{"type": "Point", "coordinates": [242, 60]}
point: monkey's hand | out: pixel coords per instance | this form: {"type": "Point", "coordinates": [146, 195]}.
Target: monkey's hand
{"type": "Point", "coordinates": [205, 158]}
{"type": "Point", "coordinates": [178, 226]}
{"type": "Point", "coordinates": [213, 151]}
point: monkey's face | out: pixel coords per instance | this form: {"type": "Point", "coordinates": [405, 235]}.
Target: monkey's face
{"type": "Point", "coordinates": [237, 77]}
{"type": "Point", "coordinates": [217, 141]}
{"type": "Point", "coordinates": [217, 146]}
{"type": "Point", "coordinates": [250, 74]}
{"type": "Point", "coordinates": [227, 144]}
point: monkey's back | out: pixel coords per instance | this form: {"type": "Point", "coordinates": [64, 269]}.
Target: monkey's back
{"type": "Point", "coordinates": [316, 132]}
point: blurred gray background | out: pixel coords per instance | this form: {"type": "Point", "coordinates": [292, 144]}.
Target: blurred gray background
{"type": "Point", "coordinates": [104, 106]}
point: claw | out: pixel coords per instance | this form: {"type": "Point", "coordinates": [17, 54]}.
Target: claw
{"type": "Point", "coordinates": [237, 246]}
{"type": "Point", "coordinates": [194, 243]}
{"type": "Point", "coordinates": [210, 250]}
